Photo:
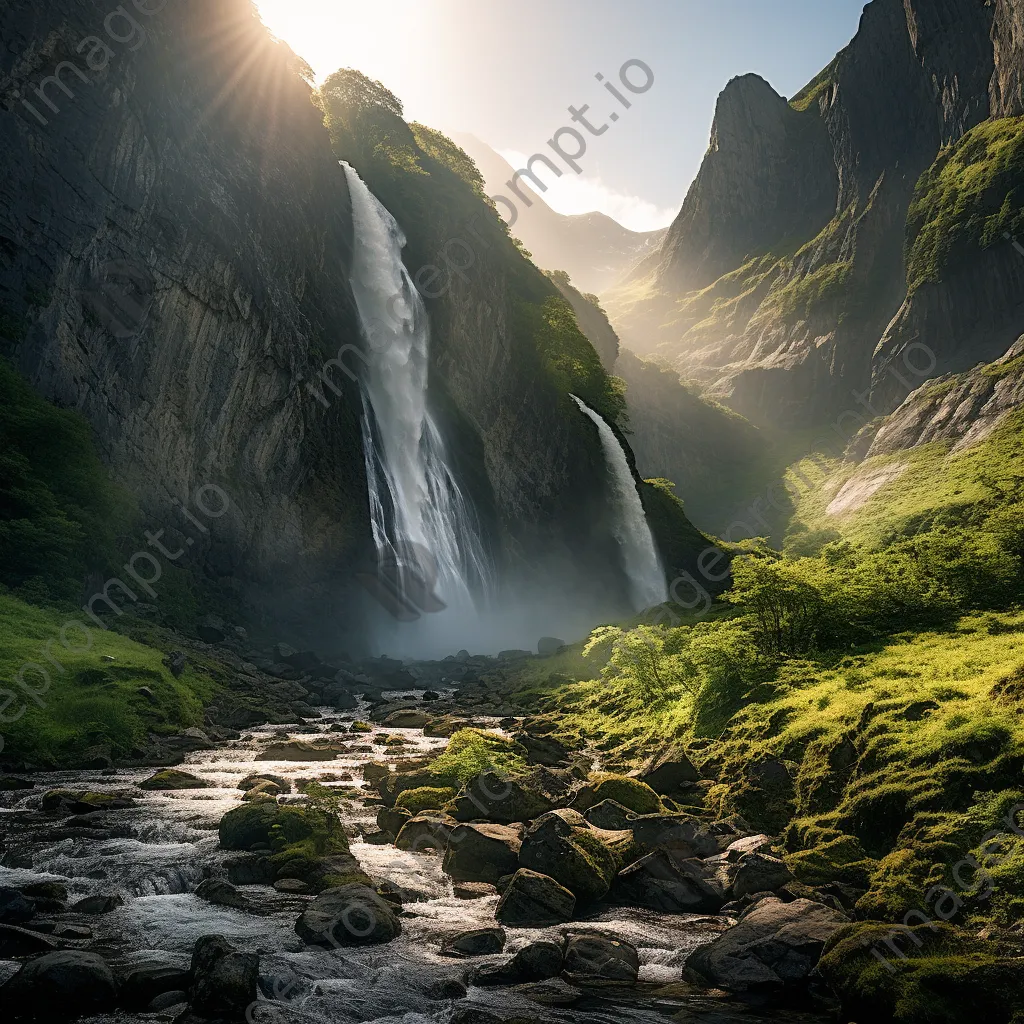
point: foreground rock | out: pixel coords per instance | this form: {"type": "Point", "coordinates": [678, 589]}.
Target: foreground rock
{"type": "Point", "coordinates": [584, 859]}
{"type": "Point", "coordinates": [535, 962]}
{"type": "Point", "coordinates": [596, 961]}
{"type": "Point", "coordinates": [60, 986]}
{"type": "Point", "coordinates": [496, 798]}
{"type": "Point", "coordinates": [534, 900]}
{"type": "Point", "coordinates": [479, 942]}
{"type": "Point", "coordinates": [774, 947]}
{"type": "Point", "coordinates": [482, 853]}
{"type": "Point", "coordinates": [171, 778]}
{"type": "Point", "coordinates": [350, 915]}
{"type": "Point", "coordinates": [665, 882]}
{"type": "Point", "coordinates": [299, 750]}
{"type": "Point", "coordinates": [224, 980]}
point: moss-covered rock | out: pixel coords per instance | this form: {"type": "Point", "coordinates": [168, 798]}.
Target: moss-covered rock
{"type": "Point", "coordinates": [923, 974]}
{"type": "Point", "coordinates": [248, 825]}
{"type": "Point", "coordinates": [629, 792]}
{"type": "Point", "coordinates": [425, 798]}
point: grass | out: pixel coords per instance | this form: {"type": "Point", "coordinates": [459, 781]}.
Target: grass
{"type": "Point", "coordinates": [971, 195]}
{"type": "Point", "coordinates": [87, 701]}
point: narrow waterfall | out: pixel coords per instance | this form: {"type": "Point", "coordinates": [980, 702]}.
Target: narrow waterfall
{"type": "Point", "coordinates": [639, 555]}
{"type": "Point", "coordinates": [426, 532]}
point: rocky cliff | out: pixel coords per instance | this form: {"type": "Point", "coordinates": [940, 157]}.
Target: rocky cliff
{"type": "Point", "coordinates": [175, 242]}
{"type": "Point", "coordinates": [798, 252]}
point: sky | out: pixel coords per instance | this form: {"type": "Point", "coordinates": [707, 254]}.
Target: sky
{"type": "Point", "coordinates": [508, 72]}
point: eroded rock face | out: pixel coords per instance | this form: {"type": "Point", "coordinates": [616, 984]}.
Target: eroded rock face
{"type": "Point", "coordinates": [773, 946]}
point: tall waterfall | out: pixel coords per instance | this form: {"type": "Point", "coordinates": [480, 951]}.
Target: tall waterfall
{"type": "Point", "coordinates": [426, 532]}
{"type": "Point", "coordinates": [639, 554]}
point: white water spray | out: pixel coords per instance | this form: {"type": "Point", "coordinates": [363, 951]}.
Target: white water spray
{"type": "Point", "coordinates": [418, 512]}
{"type": "Point", "coordinates": [639, 555]}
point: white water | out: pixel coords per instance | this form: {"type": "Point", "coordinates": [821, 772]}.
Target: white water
{"type": "Point", "coordinates": [639, 555]}
{"type": "Point", "coordinates": [422, 522]}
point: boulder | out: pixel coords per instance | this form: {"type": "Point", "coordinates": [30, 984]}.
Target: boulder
{"type": "Point", "coordinates": [140, 984]}
{"type": "Point", "coordinates": [292, 886]}
{"type": "Point", "coordinates": [473, 890]}
{"type": "Point", "coordinates": [172, 778]}
{"type": "Point", "coordinates": [349, 915]}
{"type": "Point", "coordinates": [535, 962]}
{"type": "Point", "coordinates": [250, 869]}
{"type": "Point", "coordinates": [610, 814]}
{"type": "Point", "coordinates": [775, 946]}
{"type": "Point", "coordinates": [496, 798]}
{"type": "Point", "coordinates": [265, 790]}
{"type": "Point", "coordinates": [534, 900]}
{"type": "Point", "coordinates": [251, 781]}
{"type": "Point", "coordinates": [544, 750]}
{"type": "Point", "coordinates": [101, 903]}
{"type": "Point", "coordinates": [554, 992]}
{"type": "Point", "coordinates": [547, 645]}
{"type": "Point", "coordinates": [684, 834]}
{"type": "Point", "coordinates": [61, 985]}
{"type": "Point", "coordinates": [375, 772]}
{"type": "Point", "coordinates": [597, 961]}
{"type": "Point", "coordinates": [630, 792]}
{"type": "Point", "coordinates": [669, 772]}
{"type": "Point", "coordinates": [443, 727]}
{"type": "Point", "coordinates": [565, 846]}
{"type": "Point", "coordinates": [759, 872]}
{"type": "Point", "coordinates": [224, 980]}
{"type": "Point", "coordinates": [447, 988]}
{"type": "Point", "coordinates": [407, 718]}
{"type": "Point", "coordinates": [15, 907]}
{"type": "Point", "coordinates": [664, 882]}
{"type": "Point", "coordinates": [391, 819]}
{"type": "Point", "coordinates": [426, 832]}
{"type": "Point", "coordinates": [247, 825]}
{"type": "Point", "coordinates": [223, 894]}
{"type": "Point", "coordinates": [482, 853]}
{"type": "Point", "coordinates": [479, 942]}
{"type": "Point", "coordinates": [8, 783]}
{"type": "Point", "coordinates": [17, 942]}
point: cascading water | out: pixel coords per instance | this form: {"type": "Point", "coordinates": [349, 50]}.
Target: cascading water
{"type": "Point", "coordinates": [639, 555]}
{"type": "Point", "coordinates": [425, 530]}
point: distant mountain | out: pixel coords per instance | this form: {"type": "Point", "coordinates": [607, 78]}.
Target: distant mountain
{"type": "Point", "coordinates": [592, 248]}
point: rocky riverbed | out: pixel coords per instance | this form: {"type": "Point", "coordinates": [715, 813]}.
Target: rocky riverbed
{"type": "Point", "coordinates": [132, 893]}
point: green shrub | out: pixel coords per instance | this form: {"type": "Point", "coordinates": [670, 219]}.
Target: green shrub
{"type": "Point", "coordinates": [472, 751]}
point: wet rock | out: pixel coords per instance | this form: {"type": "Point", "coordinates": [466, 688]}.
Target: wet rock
{"type": "Point", "coordinates": [534, 900]}
{"type": "Point", "coordinates": [544, 750]}
{"type": "Point", "coordinates": [547, 645]}
{"type": "Point", "coordinates": [775, 946]}
{"type": "Point", "coordinates": [293, 886]}
{"type": "Point", "coordinates": [443, 727]}
{"type": "Point", "coordinates": [407, 719]}
{"type": "Point", "coordinates": [73, 932]}
{"type": "Point", "coordinates": [349, 915]}
{"type": "Point", "coordinates": [167, 1000]}
{"type": "Point", "coordinates": [473, 890]}
{"type": "Point", "coordinates": [535, 962]}
{"type": "Point", "coordinates": [140, 984]}
{"type": "Point", "coordinates": [245, 826]}
{"type": "Point", "coordinates": [610, 814]}
{"type": "Point", "coordinates": [18, 942]}
{"type": "Point", "coordinates": [669, 772]}
{"type": "Point", "coordinates": [250, 781]}
{"type": "Point", "coordinates": [555, 992]}
{"type": "Point", "coordinates": [431, 695]}
{"type": "Point", "coordinates": [759, 872]}
{"type": "Point", "coordinates": [221, 893]}
{"type": "Point", "coordinates": [482, 853]}
{"type": "Point", "coordinates": [98, 904]}
{"type": "Point", "coordinates": [375, 772]}
{"type": "Point", "coordinates": [250, 869]}
{"type": "Point", "coordinates": [479, 942]}
{"type": "Point", "coordinates": [426, 832]}
{"type": "Point", "coordinates": [224, 980]}
{"type": "Point", "coordinates": [565, 846]}
{"type": "Point", "coordinates": [473, 1013]}
{"type": "Point", "coordinates": [9, 783]}
{"type": "Point", "coordinates": [298, 750]}
{"type": "Point", "coordinates": [597, 961]}
{"type": "Point", "coordinates": [15, 907]}
{"type": "Point", "coordinates": [61, 985]}
{"type": "Point", "coordinates": [391, 819]}
{"type": "Point", "coordinates": [447, 988]}
{"type": "Point", "coordinates": [82, 802]}
{"type": "Point", "coordinates": [171, 778]}
{"type": "Point", "coordinates": [663, 881]}
{"type": "Point", "coordinates": [52, 892]}
{"type": "Point", "coordinates": [496, 798]}
{"type": "Point", "coordinates": [683, 834]}
{"type": "Point", "coordinates": [265, 790]}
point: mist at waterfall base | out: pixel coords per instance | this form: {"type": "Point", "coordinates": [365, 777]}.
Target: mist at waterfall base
{"type": "Point", "coordinates": [459, 600]}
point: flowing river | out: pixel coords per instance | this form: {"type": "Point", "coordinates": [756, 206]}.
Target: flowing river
{"type": "Point", "coordinates": [154, 854]}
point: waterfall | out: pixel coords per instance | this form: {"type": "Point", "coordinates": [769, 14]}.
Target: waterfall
{"type": "Point", "coordinates": [427, 536]}
{"type": "Point", "coordinates": [636, 542]}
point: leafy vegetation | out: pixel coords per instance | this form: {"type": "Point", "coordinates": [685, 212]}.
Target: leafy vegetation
{"type": "Point", "coordinates": [971, 196]}
{"type": "Point", "coordinates": [473, 751]}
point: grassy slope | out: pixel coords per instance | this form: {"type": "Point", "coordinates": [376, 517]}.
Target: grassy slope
{"type": "Point", "coordinates": [93, 702]}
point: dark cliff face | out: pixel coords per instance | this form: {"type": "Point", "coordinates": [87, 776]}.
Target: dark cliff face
{"type": "Point", "coordinates": [788, 260]}
{"type": "Point", "coordinates": [173, 263]}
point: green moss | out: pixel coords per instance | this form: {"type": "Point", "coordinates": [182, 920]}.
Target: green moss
{"type": "Point", "coordinates": [968, 200]}
{"type": "Point", "coordinates": [472, 751]}
{"type": "Point", "coordinates": [631, 793]}
{"type": "Point", "coordinates": [425, 798]}
{"type": "Point", "coordinates": [803, 294]}
{"type": "Point", "coordinates": [87, 701]}
{"type": "Point", "coordinates": [816, 86]}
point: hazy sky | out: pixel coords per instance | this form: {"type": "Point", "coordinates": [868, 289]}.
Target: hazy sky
{"type": "Point", "coordinates": [507, 72]}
